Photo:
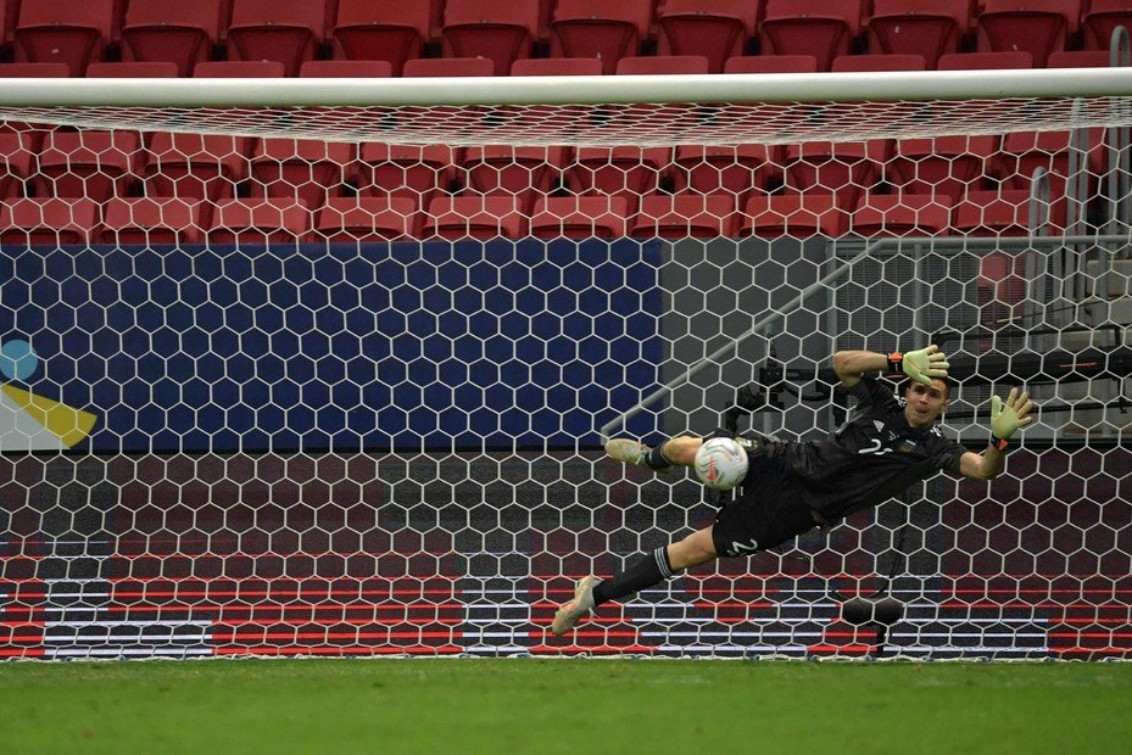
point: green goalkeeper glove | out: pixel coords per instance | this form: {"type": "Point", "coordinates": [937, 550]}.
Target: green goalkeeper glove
{"type": "Point", "coordinates": [923, 365]}
{"type": "Point", "coordinates": [1006, 418]}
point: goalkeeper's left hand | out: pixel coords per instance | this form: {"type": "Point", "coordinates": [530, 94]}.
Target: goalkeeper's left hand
{"type": "Point", "coordinates": [1006, 419]}
{"type": "Point", "coordinates": [925, 364]}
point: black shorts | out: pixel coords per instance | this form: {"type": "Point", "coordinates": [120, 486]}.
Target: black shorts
{"type": "Point", "coordinates": [770, 512]}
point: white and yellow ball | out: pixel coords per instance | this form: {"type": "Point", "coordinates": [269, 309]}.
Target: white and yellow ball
{"type": "Point", "coordinates": [721, 463]}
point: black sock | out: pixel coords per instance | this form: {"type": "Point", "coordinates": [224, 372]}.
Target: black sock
{"type": "Point", "coordinates": [655, 458]}
{"type": "Point", "coordinates": [646, 571]}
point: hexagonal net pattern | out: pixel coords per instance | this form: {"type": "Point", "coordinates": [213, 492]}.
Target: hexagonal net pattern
{"type": "Point", "coordinates": [273, 395]}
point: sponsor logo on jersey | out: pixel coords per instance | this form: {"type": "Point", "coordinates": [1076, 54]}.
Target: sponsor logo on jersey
{"type": "Point", "coordinates": [907, 446]}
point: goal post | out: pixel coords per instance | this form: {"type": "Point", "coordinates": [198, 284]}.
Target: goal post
{"type": "Point", "coordinates": [311, 367]}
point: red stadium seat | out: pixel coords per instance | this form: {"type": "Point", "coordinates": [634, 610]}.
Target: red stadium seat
{"type": "Point", "coordinates": [772, 64]}
{"type": "Point", "coordinates": [846, 169]}
{"type": "Point", "coordinates": [1025, 151]}
{"type": "Point", "coordinates": [34, 70]}
{"type": "Point", "coordinates": [525, 172]}
{"type": "Point", "coordinates": [10, 11]}
{"type": "Point", "coordinates": [304, 168]}
{"type": "Point", "coordinates": [795, 215]}
{"type": "Point", "coordinates": [151, 220]}
{"type": "Point", "coordinates": [423, 68]}
{"type": "Point", "coordinates": [93, 164]}
{"type": "Point", "coordinates": [981, 61]}
{"type": "Point", "coordinates": [346, 69]}
{"type": "Point", "coordinates": [929, 28]}
{"type": "Point", "coordinates": [239, 69]}
{"type": "Point", "coordinates": [287, 31]}
{"type": "Point", "coordinates": [902, 215]}
{"type": "Point", "coordinates": [132, 71]}
{"type": "Point", "coordinates": [405, 171]}
{"type": "Point", "coordinates": [580, 217]}
{"type": "Point", "coordinates": [620, 171]}
{"type": "Point", "coordinates": [600, 29]}
{"type": "Point", "coordinates": [64, 31]}
{"type": "Point", "coordinates": [182, 32]}
{"type": "Point", "coordinates": [944, 166]}
{"type": "Point", "coordinates": [259, 221]}
{"type": "Point", "coordinates": [48, 221]}
{"type": "Point", "coordinates": [1039, 27]}
{"type": "Point", "coordinates": [502, 31]}
{"type": "Point", "coordinates": [474, 217]}
{"type": "Point", "coordinates": [715, 29]}
{"type": "Point", "coordinates": [388, 30]}
{"type": "Point", "coordinates": [17, 163]}
{"type": "Point", "coordinates": [557, 67]}
{"type": "Point", "coordinates": [1001, 213]}
{"type": "Point", "coordinates": [369, 219]}
{"type": "Point", "coordinates": [1080, 59]}
{"type": "Point", "coordinates": [196, 166]}
{"type": "Point", "coordinates": [1100, 20]}
{"type": "Point", "coordinates": [660, 65]}
{"type": "Point", "coordinates": [822, 28]}
{"type": "Point", "coordinates": [685, 215]}
{"type": "Point", "coordinates": [870, 63]}
{"type": "Point", "coordinates": [714, 169]}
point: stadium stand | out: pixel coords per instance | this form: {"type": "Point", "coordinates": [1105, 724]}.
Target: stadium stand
{"type": "Point", "coordinates": [286, 31]}
{"type": "Point", "coordinates": [474, 217]}
{"type": "Point", "coordinates": [599, 29]}
{"type": "Point", "coordinates": [151, 220]}
{"type": "Point", "coordinates": [580, 217]}
{"type": "Point", "coordinates": [822, 28]}
{"type": "Point", "coordinates": [48, 220]}
{"type": "Point", "coordinates": [901, 215]}
{"type": "Point", "coordinates": [440, 67]}
{"type": "Point", "coordinates": [714, 29]}
{"type": "Point", "coordinates": [502, 31]}
{"type": "Point", "coordinates": [405, 171]}
{"type": "Point", "coordinates": [557, 67]}
{"type": "Point", "coordinates": [368, 219]}
{"type": "Point", "coordinates": [259, 221]}
{"type": "Point", "coordinates": [155, 70]}
{"type": "Point", "coordinates": [772, 64]}
{"type": "Point", "coordinates": [930, 28]}
{"type": "Point", "coordinates": [182, 32]}
{"type": "Point", "coordinates": [334, 69]}
{"type": "Point", "coordinates": [392, 31]}
{"type": "Point", "coordinates": [797, 215]}
{"type": "Point", "coordinates": [686, 216]}
{"type": "Point", "coordinates": [93, 164]}
{"type": "Point", "coordinates": [1039, 27]}
{"type": "Point", "coordinates": [63, 31]}
{"type": "Point", "coordinates": [306, 169]}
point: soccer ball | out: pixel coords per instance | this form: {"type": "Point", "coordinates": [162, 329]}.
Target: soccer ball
{"type": "Point", "coordinates": [721, 463]}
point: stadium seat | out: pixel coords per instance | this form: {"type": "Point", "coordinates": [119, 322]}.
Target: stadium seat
{"type": "Point", "coordinates": [34, 70]}
{"type": "Point", "coordinates": [502, 31]}
{"type": "Point", "coordinates": [182, 32]}
{"type": "Point", "coordinates": [525, 172]}
{"type": "Point", "coordinates": [1080, 58]}
{"type": "Point", "coordinates": [346, 69]}
{"type": "Point", "coordinates": [368, 219]}
{"type": "Point", "coordinates": [929, 28]}
{"type": "Point", "coordinates": [151, 220]}
{"type": "Point", "coordinates": [287, 31]}
{"type": "Point", "coordinates": [580, 217]}
{"type": "Point", "coordinates": [132, 71]}
{"type": "Point", "coordinates": [10, 14]}
{"type": "Point", "coordinates": [64, 31]}
{"type": "Point", "coordinates": [772, 64]}
{"type": "Point", "coordinates": [1100, 19]}
{"type": "Point", "coordinates": [239, 69]}
{"type": "Point", "coordinates": [846, 169]}
{"type": "Point", "coordinates": [93, 164]}
{"type": "Point", "coordinates": [659, 65]}
{"type": "Point", "coordinates": [600, 29]}
{"type": "Point", "coordinates": [304, 168]}
{"type": "Point", "coordinates": [557, 67]}
{"type": "Point", "coordinates": [259, 221]}
{"type": "Point", "coordinates": [981, 61]}
{"type": "Point", "coordinates": [477, 217]}
{"type": "Point", "coordinates": [685, 215]}
{"type": "Point", "coordinates": [1025, 151]}
{"type": "Point", "coordinates": [822, 28]}
{"type": "Point", "coordinates": [620, 171]}
{"type": "Point", "coordinates": [47, 221]}
{"type": "Point", "coordinates": [715, 29]}
{"type": "Point", "coordinates": [714, 169]}
{"type": "Point", "coordinates": [196, 166]}
{"type": "Point", "coordinates": [423, 68]}
{"type": "Point", "coordinates": [387, 30]}
{"type": "Point", "coordinates": [901, 215]}
{"type": "Point", "coordinates": [944, 166]}
{"type": "Point", "coordinates": [795, 215]}
{"type": "Point", "coordinates": [1001, 213]}
{"type": "Point", "coordinates": [869, 63]}
{"type": "Point", "coordinates": [1039, 27]}
{"type": "Point", "coordinates": [405, 171]}
{"type": "Point", "coordinates": [17, 161]}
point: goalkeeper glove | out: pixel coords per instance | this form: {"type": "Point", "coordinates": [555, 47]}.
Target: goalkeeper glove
{"type": "Point", "coordinates": [1006, 418]}
{"type": "Point", "coordinates": [922, 365]}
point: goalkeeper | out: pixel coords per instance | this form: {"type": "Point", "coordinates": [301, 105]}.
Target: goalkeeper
{"type": "Point", "coordinates": [791, 487]}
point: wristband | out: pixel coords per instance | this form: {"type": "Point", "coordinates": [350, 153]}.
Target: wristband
{"type": "Point", "coordinates": [895, 363]}
{"type": "Point", "coordinates": [1000, 443]}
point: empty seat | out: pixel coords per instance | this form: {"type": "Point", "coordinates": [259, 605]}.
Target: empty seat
{"type": "Point", "coordinates": [387, 30]}
{"type": "Point", "coordinates": [479, 217]}
{"type": "Point", "coordinates": [794, 215]}
{"type": "Point", "coordinates": [151, 220]}
{"type": "Point", "coordinates": [196, 166]}
{"type": "Point", "coordinates": [715, 29]}
{"type": "Point", "coordinates": [685, 215]}
{"type": "Point", "coordinates": [580, 217]}
{"type": "Point", "coordinates": [306, 169]}
{"type": "Point", "coordinates": [1080, 58]}
{"type": "Point", "coordinates": [622, 171]}
{"type": "Point", "coordinates": [17, 162]}
{"type": "Point", "coordinates": [444, 67]}
{"type": "Point", "coordinates": [132, 71]}
{"type": "Point", "coordinates": [1039, 27]}
{"type": "Point", "coordinates": [772, 64]}
{"type": "Point", "coordinates": [259, 221]}
{"type": "Point", "coordinates": [901, 215]}
{"type": "Point", "coordinates": [64, 31]}
{"type": "Point", "coordinates": [943, 166]}
{"type": "Point", "coordinates": [182, 32]}
{"type": "Point", "coordinates": [1100, 20]}
{"type": "Point", "coordinates": [368, 219]}
{"type": "Point", "coordinates": [48, 221]}
{"type": "Point", "coordinates": [659, 65]}
{"type": "Point", "coordinates": [822, 28]}
{"type": "Point", "coordinates": [405, 170]}
{"type": "Point", "coordinates": [94, 164]}
{"type": "Point", "coordinates": [287, 31]}
{"type": "Point", "coordinates": [34, 70]}
{"type": "Point", "coordinates": [978, 61]}
{"type": "Point", "coordinates": [1003, 213]}
{"type": "Point", "coordinates": [870, 63]}
{"type": "Point", "coordinates": [713, 169]}
{"type": "Point", "coordinates": [557, 67]}
{"type": "Point", "coordinates": [239, 69]}
{"type": "Point", "coordinates": [846, 168]}
{"type": "Point", "coordinates": [599, 29]}
{"type": "Point", "coordinates": [346, 69]}
{"type": "Point", "coordinates": [502, 31]}
{"type": "Point", "coordinates": [929, 28]}
{"type": "Point", "coordinates": [1023, 152]}
{"type": "Point", "coordinates": [525, 172]}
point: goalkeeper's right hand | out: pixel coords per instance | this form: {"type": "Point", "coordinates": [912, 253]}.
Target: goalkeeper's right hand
{"type": "Point", "coordinates": [925, 365]}
{"type": "Point", "coordinates": [1006, 419]}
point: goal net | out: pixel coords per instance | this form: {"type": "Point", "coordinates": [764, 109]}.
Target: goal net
{"type": "Point", "coordinates": [327, 371]}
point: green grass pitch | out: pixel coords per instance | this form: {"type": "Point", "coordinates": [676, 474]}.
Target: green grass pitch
{"type": "Point", "coordinates": [509, 706]}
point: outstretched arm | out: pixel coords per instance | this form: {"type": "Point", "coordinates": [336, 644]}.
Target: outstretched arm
{"type": "Point", "coordinates": [921, 365]}
{"type": "Point", "coordinates": [1006, 419]}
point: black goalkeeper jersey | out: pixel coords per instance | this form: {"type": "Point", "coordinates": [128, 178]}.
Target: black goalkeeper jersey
{"type": "Point", "coordinates": [874, 456]}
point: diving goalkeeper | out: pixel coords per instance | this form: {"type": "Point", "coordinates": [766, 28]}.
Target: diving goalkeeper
{"type": "Point", "coordinates": [791, 487]}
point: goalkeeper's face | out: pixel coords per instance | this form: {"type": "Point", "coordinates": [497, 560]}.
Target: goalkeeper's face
{"type": "Point", "coordinates": [924, 403]}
